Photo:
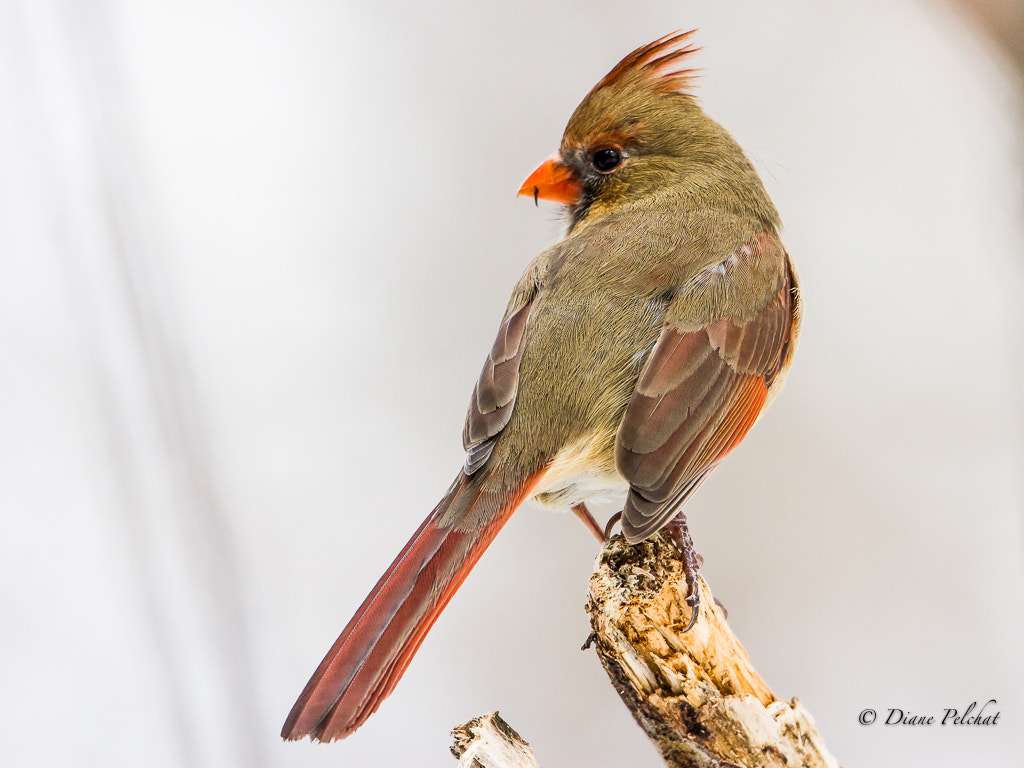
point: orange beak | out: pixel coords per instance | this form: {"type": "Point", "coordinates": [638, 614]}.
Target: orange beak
{"type": "Point", "coordinates": [552, 180]}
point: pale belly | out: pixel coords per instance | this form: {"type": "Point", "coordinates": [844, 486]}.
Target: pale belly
{"type": "Point", "coordinates": [582, 472]}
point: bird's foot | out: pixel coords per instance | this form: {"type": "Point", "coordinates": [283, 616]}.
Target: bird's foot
{"type": "Point", "coordinates": [611, 524]}
{"type": "Point", "coordinates": [692, 561]}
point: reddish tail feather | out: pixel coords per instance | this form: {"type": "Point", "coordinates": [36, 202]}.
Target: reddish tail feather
{"type": "Point", "coordinates": [373, 651]}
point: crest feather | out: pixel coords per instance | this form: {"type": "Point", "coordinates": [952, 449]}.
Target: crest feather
{"type": "Point", "coordinates": [659, 62]}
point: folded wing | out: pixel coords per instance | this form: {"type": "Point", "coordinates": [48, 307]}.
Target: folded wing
{"type": "Point", "coordinates": [706, 380]}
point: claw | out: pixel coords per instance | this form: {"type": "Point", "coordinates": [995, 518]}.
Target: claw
{"type": "Point", "coordinates": [611, 524]}
{"type": "Point", "coordinates": [692, 562]}
{"type": "Point", "coordinates": [720, 604]}
{"type": "Point", "coordinates": [695, 611]}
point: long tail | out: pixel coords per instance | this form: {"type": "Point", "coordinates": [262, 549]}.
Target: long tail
{"type": "Point", "coordinates": [370, 656]}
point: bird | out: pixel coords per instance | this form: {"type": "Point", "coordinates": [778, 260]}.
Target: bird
{"type": "Point", "coordinates": [632, 357]}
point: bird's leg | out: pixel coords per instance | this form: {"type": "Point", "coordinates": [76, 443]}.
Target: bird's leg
{"type": "Point", "coordinates": [588, 520]}
{"type": "Point", "coordinates": [692, 561]}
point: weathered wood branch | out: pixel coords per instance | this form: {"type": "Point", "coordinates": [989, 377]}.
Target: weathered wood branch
{"type": "Point", "coordinates": [695, 695]}
{"type": "Point", "coordinates": [490, 742]}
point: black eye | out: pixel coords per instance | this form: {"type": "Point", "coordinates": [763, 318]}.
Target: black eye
{"type": "Point", "coordinates": [606, 160]}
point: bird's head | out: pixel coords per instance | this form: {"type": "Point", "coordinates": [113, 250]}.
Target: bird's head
{"type": "Point", "coordinates": [640, 132]}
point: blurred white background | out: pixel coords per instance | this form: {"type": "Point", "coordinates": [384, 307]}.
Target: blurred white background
{"type": "Point", "coordinates": [253, 254]}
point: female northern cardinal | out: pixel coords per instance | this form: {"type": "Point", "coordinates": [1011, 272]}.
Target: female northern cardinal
{"type": "Point", "coordinates": [634, 355]}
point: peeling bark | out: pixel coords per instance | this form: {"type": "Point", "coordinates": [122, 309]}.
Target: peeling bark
{"type": "Point", "coordinates": [695, 695]}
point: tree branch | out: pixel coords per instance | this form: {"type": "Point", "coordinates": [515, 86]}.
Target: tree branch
{"type": "Point", "coordinates": [490, 742]}
{"type": "Point", "coordinates": [695, 695]}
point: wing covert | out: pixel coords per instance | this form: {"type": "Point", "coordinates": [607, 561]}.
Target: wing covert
{"type": "Point", "coordinates": [725, 339]}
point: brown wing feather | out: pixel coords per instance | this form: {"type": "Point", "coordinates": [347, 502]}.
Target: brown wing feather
{"type": "Point", "coordinates": [494, 395]}
{"type": "Point", "coordinates": [704, 384]}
